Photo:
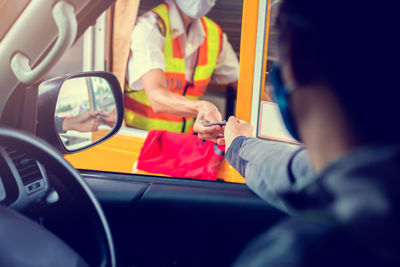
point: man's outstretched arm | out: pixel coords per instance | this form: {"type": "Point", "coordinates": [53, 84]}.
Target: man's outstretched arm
{"type": "Point", "coordinates": [270, 168]}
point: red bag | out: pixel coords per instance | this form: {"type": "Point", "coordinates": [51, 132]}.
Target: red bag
{"type": "Point", "coordinates": [180, 155]}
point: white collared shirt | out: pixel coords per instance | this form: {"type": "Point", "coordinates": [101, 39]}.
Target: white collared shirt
{"type": "Point", "coordinates": [147, 49]}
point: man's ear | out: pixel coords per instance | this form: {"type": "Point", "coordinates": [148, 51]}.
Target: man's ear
{"type": "Point", "coordinates": [302, 55]}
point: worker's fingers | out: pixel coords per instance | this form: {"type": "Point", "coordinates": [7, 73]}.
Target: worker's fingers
{"type": "Point", "coordinates": [221, 141]}
{"type": "Point", "coordinates": [213, 115]}
{"type": "Point", "coordinates": [209, 133]}
{"type": "Point", "coordinates": [200, 128]}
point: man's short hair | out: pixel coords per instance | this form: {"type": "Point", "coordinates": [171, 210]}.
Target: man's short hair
{"type": "Point", "coordinates": [352, 46]}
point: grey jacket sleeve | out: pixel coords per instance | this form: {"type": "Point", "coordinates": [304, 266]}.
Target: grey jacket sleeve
{"type": "Point", "coordinates": [270, 168]}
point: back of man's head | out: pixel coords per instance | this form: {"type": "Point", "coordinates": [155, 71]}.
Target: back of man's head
{"type": "Point", "coordinates": [352, 47]}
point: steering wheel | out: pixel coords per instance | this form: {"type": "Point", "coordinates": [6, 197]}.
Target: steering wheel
{"type": "Point", "coordinates": [24, 242]}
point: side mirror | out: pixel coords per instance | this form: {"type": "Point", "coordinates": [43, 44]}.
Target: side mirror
{"type": "Point", "coordinates": [78, 111]}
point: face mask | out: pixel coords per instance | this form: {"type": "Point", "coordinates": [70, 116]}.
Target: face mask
{"type": "Point", "coordinates": [195, 8]}
{"type": "Point", "coordinates": [281, 95]}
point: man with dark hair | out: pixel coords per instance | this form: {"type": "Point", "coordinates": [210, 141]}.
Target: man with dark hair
{"type": "Point", "coordinates": [335, 59]}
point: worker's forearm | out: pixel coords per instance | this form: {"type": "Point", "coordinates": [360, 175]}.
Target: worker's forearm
{"type": "Point", "coordinates": [168, 102]}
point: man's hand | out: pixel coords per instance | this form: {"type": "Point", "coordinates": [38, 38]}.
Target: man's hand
{"type": "Point", "coordinates": [208, 113]}
{"type": "Point", "coordinates": [235, 128]}
{"type": "Point", "coordinates": [87, 121]}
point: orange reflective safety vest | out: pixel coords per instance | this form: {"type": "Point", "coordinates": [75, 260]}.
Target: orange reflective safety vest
{"type": "Point", "coordinates": [138, 111]}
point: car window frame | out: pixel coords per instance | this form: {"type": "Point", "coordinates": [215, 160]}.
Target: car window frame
{"type": "Point", "coordinates": [251, 27]}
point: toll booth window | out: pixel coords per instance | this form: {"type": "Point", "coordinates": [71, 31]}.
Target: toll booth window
{"type": "Point", "coordinates": [199, 61]}
{"type": "Point", "coordinates": [198, 70]}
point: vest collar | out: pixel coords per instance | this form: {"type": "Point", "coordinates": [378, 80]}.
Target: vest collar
{"type": "Point", "coordinates": [196, 34]}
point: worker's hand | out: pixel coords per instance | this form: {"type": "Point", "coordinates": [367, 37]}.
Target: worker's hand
{"type": "Point", "coordinates": [234, 128]}
{"type": "Point", "coordinates": [87, 121]}
{"type": "Point", "coordinates": [109, 118]}
{"type": "Point", "coordinates": [208, 113]}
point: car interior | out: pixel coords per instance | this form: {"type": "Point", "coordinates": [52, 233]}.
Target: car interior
{"type": "Point", "coordinates": [55, 215]}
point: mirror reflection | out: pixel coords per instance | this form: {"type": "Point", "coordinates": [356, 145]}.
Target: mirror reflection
{"type": "Point", "coordinates": [85, 111]}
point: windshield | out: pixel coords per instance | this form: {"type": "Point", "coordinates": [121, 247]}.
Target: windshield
{"type": "Point", "coordinates": [97, 50]}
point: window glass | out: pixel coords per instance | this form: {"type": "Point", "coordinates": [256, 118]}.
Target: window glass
{"type": "Point", "coordinates": [228, 15]}
{"type": "Point", "coordinates": [88, 53]}
{"type": "Point", "coordinates": [221, 90]}
{"type": "Point", "coordinates": [71, 61]}
{"type": "Point", "coordinates": [270, 123]}
{"type": "Point", "coordinates": [199, 161]}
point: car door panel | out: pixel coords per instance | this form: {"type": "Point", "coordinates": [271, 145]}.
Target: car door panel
{"type": "Point", "coordinates": [171, 222]}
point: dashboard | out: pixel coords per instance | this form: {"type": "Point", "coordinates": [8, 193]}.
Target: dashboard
{"type": "Point", "coordinates": [23, 180]}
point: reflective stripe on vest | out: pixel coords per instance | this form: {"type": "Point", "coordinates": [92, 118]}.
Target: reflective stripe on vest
{"type": "Point", "coordinates": [140, 114]}
{"type": "Point", "coordinates": [138, 111]}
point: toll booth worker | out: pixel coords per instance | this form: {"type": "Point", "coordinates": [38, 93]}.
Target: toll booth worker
{"type": "Point", "coordinates": [175, 51]}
